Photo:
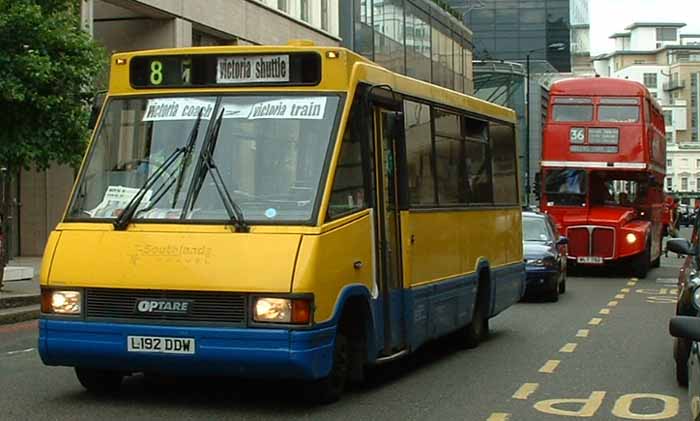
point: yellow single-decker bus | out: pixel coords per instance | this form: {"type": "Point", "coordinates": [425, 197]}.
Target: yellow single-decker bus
{"type": "Point", "coordinates": [279, 212]}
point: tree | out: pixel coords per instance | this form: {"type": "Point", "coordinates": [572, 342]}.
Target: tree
{"type": "Point", "coordinates": [48, 70]}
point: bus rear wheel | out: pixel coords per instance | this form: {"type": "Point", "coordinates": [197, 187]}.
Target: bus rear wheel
{"type": "Point", "coordinates": [99, 381]}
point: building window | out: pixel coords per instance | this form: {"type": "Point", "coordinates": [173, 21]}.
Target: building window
{"type": "Point", "coordinates": [669, 137]}
{"type": "Point", "coordinates": [666, 34]}
{"type": "Point", "coordinates": [669, 163]}
{"type": "Point", "coordinates": [697, 185]}
{"type": "Point", "coordinates": [684, 184]}
{"type": "Point", "coordinates": [669, 183]}
{"type": "Point", "coordinates": [668, 117]}
{"type": "Point", "coordinates": [304, 10]}
{"type": "Point", "coordinates": [282, 5]}
{"type": "Point", "coordinates": [697, 163]}
{"type": "Point", "coordinates": [650, 80]}
{"type": "Point", "coordinates": [324, 15]}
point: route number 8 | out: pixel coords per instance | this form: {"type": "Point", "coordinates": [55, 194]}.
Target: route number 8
{"type": "Point", "coordinates": [156, 72]}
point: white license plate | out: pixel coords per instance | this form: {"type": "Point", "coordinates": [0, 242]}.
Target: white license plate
{"type": "Point", "coordinates": [160, 344]}
{"type": "Point", "coordinates": [590, 259]}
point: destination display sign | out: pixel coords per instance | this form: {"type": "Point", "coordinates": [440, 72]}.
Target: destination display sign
{"type": "Point", "coordinates": [600, 136]}
{"type": "Point", "coordinates": [219, 70]}
{"type": "Point", "coordinates": [252, 69]}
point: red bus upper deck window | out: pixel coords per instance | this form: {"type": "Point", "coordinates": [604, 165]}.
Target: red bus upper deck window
{"type": "Point", "coordinates": [572, 109]}
{"type": "Point", "coordinates": [619, 110]}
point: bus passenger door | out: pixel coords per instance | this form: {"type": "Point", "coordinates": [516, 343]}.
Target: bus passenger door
{"type": "Point", "coordinates": [387, 234]}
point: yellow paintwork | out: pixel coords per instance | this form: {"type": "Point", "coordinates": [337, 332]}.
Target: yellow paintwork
{"type": "Point", "coordinates": [448, 244]}
{"type": "Point", "coordinates": [318, 259]}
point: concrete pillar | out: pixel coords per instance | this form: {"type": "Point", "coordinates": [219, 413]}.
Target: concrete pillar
{"type": "Point", "coordinates": [182, 33]}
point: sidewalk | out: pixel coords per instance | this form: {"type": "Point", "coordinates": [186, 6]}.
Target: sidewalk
{"type": "Point", "coordinates": [19, 296]}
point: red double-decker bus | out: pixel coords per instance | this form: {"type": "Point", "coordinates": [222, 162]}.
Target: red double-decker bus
{"type": "Point", "coordinates": [602, 171]}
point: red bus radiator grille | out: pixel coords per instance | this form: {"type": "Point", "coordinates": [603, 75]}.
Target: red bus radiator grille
{"type": "Point", "coordinates": [603, 242]}
{"type": "Point", "coordinates": [578, 241]}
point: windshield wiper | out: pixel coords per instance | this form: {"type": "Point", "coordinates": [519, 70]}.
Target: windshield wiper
{"type": "Point", "coordinates": [184, 163]}
{"type": "Point", "coordinates": [206, 165]}
{"type": "Point", "coordinates": [129, 211]}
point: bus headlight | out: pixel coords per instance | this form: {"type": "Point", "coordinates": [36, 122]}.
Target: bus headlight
{"type": "Point", "coordinates": [631, 238]}
{"type": "Point", "coordinates": [60, 302]}
{"type": "Point", "coordinates": [282, 310]}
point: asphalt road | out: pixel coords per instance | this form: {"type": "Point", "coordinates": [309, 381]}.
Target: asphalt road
{"type": "Point", "coordinates": [602, 352]}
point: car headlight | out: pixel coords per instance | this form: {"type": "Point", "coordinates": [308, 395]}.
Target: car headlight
{"type": "Point", "coordinates": [631, 238]}
{"type": "Point", "coordinates": [282, 310]}
{"type": "Point", "coordinates": [61, 302]}
{"type": "Point", "coordinates": [545, 262]}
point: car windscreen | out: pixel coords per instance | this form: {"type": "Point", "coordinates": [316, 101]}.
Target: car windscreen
{"type": "Point", "coordinates": [535, 229]}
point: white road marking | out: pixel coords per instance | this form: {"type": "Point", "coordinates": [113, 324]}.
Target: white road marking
{"type": "Point", "coordinates": [604, 311]}
{"type": "Point", "coordinates": [499, 416]}
{"type": "Point", "coordinates": [595, 321]}
{"type": "Point", "coordinates": [21, 351]}
{"type": "Point", "coordinates": [612, 303]}
{"type": "Point", "coordinates": [582, 333]}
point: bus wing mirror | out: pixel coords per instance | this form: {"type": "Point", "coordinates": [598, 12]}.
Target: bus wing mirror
{"type": "Point", "coordinates": [97, 103]}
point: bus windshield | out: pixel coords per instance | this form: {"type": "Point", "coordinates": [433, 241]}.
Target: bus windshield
{"type": "Point", "coordinates": [566, 187]}
{"type": "Point", "coordinates": [270, 151]}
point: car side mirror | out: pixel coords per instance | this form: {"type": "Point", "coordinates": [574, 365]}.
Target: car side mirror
{"type": "Point", "coordinates": [687, 327]}
{"type": "Point", "coordinates": [562, 241]}
{"type": "Point", "coordinates": [680, 246]}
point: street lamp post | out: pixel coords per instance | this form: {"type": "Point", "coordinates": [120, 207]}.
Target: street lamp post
{"type": "Point", "coordinates": [558, 46]}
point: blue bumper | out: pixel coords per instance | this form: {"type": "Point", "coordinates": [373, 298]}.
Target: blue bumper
{"type": "Point", "coordinates": [244, 352]}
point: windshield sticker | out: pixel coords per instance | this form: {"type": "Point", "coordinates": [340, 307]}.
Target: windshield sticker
{"type": "Point", "coordinates": [163, 109]}
{"type": "Point", "coordinates": [115, 198]}
{"type": "Point", "coordinates": [271, 213]}
{"type": "Point", "coordinates": [290, 108]}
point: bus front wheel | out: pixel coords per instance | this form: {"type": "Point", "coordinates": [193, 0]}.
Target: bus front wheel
{"type": "Point", "coordinates": [99, 381]}
{"type": "Point", "coordinates": [642, 263]}
{"type": "Point", "coordinates": [330, 388]}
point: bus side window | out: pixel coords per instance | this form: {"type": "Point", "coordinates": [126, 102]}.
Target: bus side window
{"type": "Point", "coordinates": [349, 193]}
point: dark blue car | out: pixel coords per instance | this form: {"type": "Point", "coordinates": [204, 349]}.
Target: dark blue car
{"type": "Point", "coordinates": [545, 256]}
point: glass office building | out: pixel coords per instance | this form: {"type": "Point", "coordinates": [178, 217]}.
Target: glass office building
{"type": "Point", "coordinates": [510, 29]}
{"type": "Point", "coordinates": [413, 37]}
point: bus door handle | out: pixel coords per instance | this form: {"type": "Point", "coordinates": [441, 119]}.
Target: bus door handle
{"type": "Point", "coordinates": [357, 265]}
{"type": "Point", "coordinates": [413, 239]}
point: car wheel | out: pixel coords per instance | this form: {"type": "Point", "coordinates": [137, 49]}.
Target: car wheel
{"type": "Point", "coordinates": [330, 388]}
{"type": "Point", "coordinates": [99, 381]}
{"type": "Point", "coordinates": [681, 352]}
{"type": "Point", "coordinates": [553, 295]}
{"type": "Point", "coordinates": [562, 285]}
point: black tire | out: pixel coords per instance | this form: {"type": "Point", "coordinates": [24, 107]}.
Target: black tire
{"type": "Point", "coordinates": [681, 352]}
{"type": "Point", "coordinates": [99, 382]}
{"type": "Point", "coordinates": [478, 329]}
{"type": "Point", "coordinates": [330, 388]}
{"type": "Point", "coordinates": [562, 285]}
{"type": "Point", "coordinates": [656, 262]}
{"type": "Point", "coordinates": [642, 263]}
{"type": "Point", "coordinates": [553, 294]}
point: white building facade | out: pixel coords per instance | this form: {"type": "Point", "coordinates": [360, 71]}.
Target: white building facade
{"type": "Point", "coordinates": [668, 64]}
